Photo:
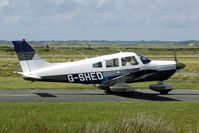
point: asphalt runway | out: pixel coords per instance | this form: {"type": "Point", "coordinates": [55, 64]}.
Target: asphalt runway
{"type": "Point", "coordinates": [95, 96]}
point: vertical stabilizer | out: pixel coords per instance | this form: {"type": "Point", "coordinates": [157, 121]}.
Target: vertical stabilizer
{"type": "Point", "coordinates": [28, 58]}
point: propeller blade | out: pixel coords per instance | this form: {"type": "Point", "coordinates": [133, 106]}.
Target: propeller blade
{"type": "Point", "coordinates": [178, 64]}
{"type": "Point", "coordinates": [175, 56]}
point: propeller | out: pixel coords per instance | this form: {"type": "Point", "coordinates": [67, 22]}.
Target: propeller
{"type": "Point", "coordinates": [178, 64]}
{"type": "Point", "coordinates": [175, 56]}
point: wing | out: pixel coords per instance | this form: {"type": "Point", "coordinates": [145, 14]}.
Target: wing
{"type": "Point", "coordinates": [118, 84]}
{"type": "Point", "coordinates": [132, 76]}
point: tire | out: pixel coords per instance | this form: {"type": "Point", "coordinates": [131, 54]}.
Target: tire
{"type": "Point", "coordinates": [164, 92]}
{"type": "Point", "coordinates": [108, 92]}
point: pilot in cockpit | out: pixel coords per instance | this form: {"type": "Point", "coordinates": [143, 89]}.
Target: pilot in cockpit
{"type": "Point", "coordinates": [128, 61]}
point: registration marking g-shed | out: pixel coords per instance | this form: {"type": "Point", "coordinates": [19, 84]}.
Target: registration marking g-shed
{"type": "Point", "coordinates": [85, 77]}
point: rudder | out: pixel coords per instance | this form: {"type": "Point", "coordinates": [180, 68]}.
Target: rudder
{"type": "Point", "coordinates": [28, 58]}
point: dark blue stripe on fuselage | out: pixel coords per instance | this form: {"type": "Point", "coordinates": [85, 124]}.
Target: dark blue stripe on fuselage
{"type": "Point", "coordinates": [99, 78]}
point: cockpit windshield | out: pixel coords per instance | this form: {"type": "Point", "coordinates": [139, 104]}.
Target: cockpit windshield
{"type": "Point", "coordinates": [144, 60]}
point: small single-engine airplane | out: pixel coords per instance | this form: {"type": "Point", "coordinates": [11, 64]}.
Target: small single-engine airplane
{"type": "Point", "coordinates": [109, 72]}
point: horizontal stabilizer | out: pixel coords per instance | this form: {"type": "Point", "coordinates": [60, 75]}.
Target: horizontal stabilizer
{"type": "Point", "coordinates": [28, 76]}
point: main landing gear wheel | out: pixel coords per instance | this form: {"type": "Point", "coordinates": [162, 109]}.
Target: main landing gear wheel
{"type": "Point", "coordinates": [108, 92]}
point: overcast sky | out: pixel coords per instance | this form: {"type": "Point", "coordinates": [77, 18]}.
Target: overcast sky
{"type": "Point", "coordinates": [99, 19]}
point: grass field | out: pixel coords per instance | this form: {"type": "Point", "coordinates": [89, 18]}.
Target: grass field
{"type": "Point", "coordinates": [72, 50]}
{"type": "Point", "coordinates": [100, 117]}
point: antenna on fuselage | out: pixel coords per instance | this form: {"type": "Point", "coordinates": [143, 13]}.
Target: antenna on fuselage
{"type": "Point", "coordinates": [118, 48]}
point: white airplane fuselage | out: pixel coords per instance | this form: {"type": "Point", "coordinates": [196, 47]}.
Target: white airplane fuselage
{"type": "Point", "coordinates": [83, 71]}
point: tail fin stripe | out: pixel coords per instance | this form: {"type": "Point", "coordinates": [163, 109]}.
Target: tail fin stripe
{"type": "Point", "coordinates": [28, 58]}
{"type": "Point", "coordinates": [22, 46]}
{"type": "Point", "coordinates": [25, 56]}
{"type": "Point", "coordinates": [23, 50]}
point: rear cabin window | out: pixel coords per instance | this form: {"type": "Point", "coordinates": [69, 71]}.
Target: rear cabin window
{"type": "Point", "coordinates": [112, 63]}
{"type": "Point", "coordinates": [97, 65]}
{"type": "Point", "coordinates": [128, 61]}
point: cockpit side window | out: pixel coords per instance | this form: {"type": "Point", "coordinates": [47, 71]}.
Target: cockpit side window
{"type": "Point", "coordinates": [112, 63]}
{"type": "Point", "coordinates": [97, 65]}
{"type": "Point", "coordinates": [128, 61]}
{"type": "Point", "coordinates": [144, 60]}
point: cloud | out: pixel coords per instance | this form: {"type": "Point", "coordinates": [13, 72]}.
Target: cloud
{"type": "Point", "coordinates": [56, 2]}
{"type": "Point", "coordinates": [125, 14]}
{"type": "Point", "coordinates": [12, 19]}
{"type": "Point", "coordinates": [103, 12]}
{"type": "Point", "coordinates": [3, 3]}
{"type": "Point", "coordinates": [101, 2]}
{"type": "Point", "coordinates": [82, 2]}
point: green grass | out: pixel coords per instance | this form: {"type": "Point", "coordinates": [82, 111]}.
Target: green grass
{"type": "Point", "coordinates": [184, 77]}
{"type": "Point", "coordinates": [17, 83]}
{"type": "Point", "coordinates": [86, 117]}
{"type": "Point", "coordinates": [192, 65]}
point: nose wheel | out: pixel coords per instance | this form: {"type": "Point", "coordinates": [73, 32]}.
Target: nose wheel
{"type": "Point", "coordinates": [164, 92]}
{"type": "Point", "coordinates": [161, 88]}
